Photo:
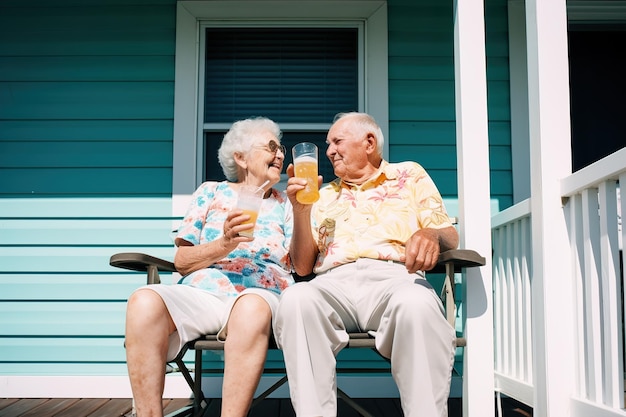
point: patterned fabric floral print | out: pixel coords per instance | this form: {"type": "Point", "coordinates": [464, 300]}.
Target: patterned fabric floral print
{"type": "Point", "coordinates": [385, 211]}
{"type": "Point", "coordinates": [262, 263]}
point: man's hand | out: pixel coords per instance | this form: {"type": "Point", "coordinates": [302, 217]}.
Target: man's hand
{"type": "Point", "coordinates": [422, 250]}
{"type": "Point", "coordinates": [295, 184]}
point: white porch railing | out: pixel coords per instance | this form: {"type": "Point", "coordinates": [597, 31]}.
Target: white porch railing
{"type": "Point", "coordinates": [512, 271]}
{"type": "Point", "coordinates": [592, 208]}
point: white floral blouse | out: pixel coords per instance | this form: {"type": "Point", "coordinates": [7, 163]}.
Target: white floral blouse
{"type": "Point", "coordinates": [262, 263]}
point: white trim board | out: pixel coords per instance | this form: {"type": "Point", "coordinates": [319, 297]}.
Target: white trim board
{"type": "Point", "coordinates": [118, 386]}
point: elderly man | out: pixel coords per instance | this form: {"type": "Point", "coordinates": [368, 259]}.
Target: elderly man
{"type": "Point", "coordinates": [369, 238]}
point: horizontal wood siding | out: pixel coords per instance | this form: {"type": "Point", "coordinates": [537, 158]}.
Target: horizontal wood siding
{"type": "Point", "coordinates": [421, 92]}
{"type": "Point", "coordinates": [86, 92]}
{"type": "Point", "coordinates": [62, 307]}
{"type": "Point", "coordinates": [86, 98]}
{"type": "Point", "coordinates": [86, 110]}
{"type": "Point", "coordinates": [498, 99]}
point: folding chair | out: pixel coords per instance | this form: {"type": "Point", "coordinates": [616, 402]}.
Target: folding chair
{"type": "Point", "coordinates": [450, 262]}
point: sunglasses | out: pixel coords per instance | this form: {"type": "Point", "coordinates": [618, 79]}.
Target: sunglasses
{"type": "Point", "coordinates": [274, 147]}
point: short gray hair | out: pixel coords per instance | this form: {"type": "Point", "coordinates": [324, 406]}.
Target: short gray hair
{"type": "Point", "coordinates": [365, 123]}
{"type": "Point", "coordinates": [240, 138]}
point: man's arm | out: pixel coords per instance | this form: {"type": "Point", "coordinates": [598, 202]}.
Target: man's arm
{"type": "Point", "coordinates": [303, 249]}
{"type": "Point", "coordinates": [448, 238]}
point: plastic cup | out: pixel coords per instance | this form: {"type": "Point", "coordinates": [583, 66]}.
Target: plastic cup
{"type": "Point", "coordinates": [249, 200]}
{"type": "Point", "coordinates": [305, 164]}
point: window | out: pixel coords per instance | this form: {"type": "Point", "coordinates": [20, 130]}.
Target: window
{"type": "Point", "coordinates": [295, 76]}
{"type": "Point", "coordinates": [353, 34]}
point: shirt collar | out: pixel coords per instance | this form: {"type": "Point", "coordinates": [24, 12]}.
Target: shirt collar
{"type": "Point", "coordinates": [384, 172]}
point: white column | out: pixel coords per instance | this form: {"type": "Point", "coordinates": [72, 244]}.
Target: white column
{"type": "Point", "coordinates": [474, 202]}
{"type": "Point", "coordinates": [550, 161]}
{"type": "Point", "coordinates": [518, 80]}
{"type": "Point", "coordinates": [184, 176]}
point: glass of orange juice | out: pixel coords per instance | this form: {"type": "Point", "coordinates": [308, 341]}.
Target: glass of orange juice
{"type": "Point", "coordinates": [249, 200]}
{"type": "Point", "coordinates": [305, 164]}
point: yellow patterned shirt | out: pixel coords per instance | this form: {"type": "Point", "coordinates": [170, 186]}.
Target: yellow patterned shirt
{"type": "Point", "coordinates": [375, 219]}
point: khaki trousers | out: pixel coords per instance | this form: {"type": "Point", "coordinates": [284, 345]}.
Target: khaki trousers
{"type": "Point", "coordinates": [313, 318]}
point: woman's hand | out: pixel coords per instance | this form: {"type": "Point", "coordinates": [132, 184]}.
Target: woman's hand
{"type": "Point", "coordinates": [232, 226]}
{"type": "Point", "coordinates": [190, 258]}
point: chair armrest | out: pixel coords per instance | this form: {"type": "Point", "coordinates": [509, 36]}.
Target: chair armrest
{"type": "Point", "coordinates": [460, 258]}
{"type": "Point", "coordinates": [142, 263]}
{"type": "Point", "coordinates": [451, 262]}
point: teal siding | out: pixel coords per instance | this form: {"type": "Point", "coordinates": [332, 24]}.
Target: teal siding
{"type": "Point", "coordinates": [86, 110]}
{"type": "Point", "coordinates": [421, 88]}
{"type": "Point", "coordinates": [62, 306]}
{"type": "Point", "coordinates": [86, 124]}
{"type": "Point", "coordinates": [421, 92]}
{"type": "Point", "coordinates": [498, 99]}
{"type": "Point", "coordinates": [86, 98]}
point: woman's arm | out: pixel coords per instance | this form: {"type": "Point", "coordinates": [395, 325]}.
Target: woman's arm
{"type": "Point", "coordinates": [190, 258]}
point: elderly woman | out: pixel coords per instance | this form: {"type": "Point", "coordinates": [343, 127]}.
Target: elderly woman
{"type": "Point", "coordinates": [230, 282]}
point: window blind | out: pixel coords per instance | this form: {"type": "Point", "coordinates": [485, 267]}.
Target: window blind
{"type": "Point", "coordinates": [291, 75]}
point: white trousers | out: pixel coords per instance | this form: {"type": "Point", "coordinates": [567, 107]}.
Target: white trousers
{"type": "Point", "coordinates": [197, 312]}
{"type": "Point", "coordinates": [313, 318]}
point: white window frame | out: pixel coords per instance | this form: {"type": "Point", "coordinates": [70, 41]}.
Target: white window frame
{"type": "Point", "coordinates": [192, 15]}
{"type": "Point", "coordinates": [204, 127]}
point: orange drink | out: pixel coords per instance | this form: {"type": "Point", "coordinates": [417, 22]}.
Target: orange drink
{"type": "Point", "coordinates": [253, 215]}
{"type": "Point", "coordinates": [250, 199]}
{"type": "Point", "coordinates": [305, 166]}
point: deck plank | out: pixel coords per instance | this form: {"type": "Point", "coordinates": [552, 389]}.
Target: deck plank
{"type": "Point", "coordinates": [113, 407]}
{"type": "Point", "coordinates": [172, 404]}
{"type": "Point", "coordinates": [122, 407]}
{"type": "Point", "coordinates": [20, 407]}
{"type": "Point", "coordinates": [52, 406]}
{"type": "Point", "coordinates": [89, 407]}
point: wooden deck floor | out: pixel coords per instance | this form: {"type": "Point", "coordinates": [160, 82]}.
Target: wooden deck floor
{"type": "Point", "coordinates": [121, 407]}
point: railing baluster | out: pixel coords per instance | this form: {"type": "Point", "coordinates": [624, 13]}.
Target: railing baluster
{"type": "Point", "coordinates": [527, 357]}
{"type": "Point", "coordinates": [512, 306]}
{"type": "Point", "coordinates": [611, 294]}
{"type": "Point", "coordinates": [592, 291]}
{"type": "Point", "coordinates": [576, 242]}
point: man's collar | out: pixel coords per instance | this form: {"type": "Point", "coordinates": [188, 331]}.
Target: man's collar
{"type": "Point", "coordinates": [383, 173]}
